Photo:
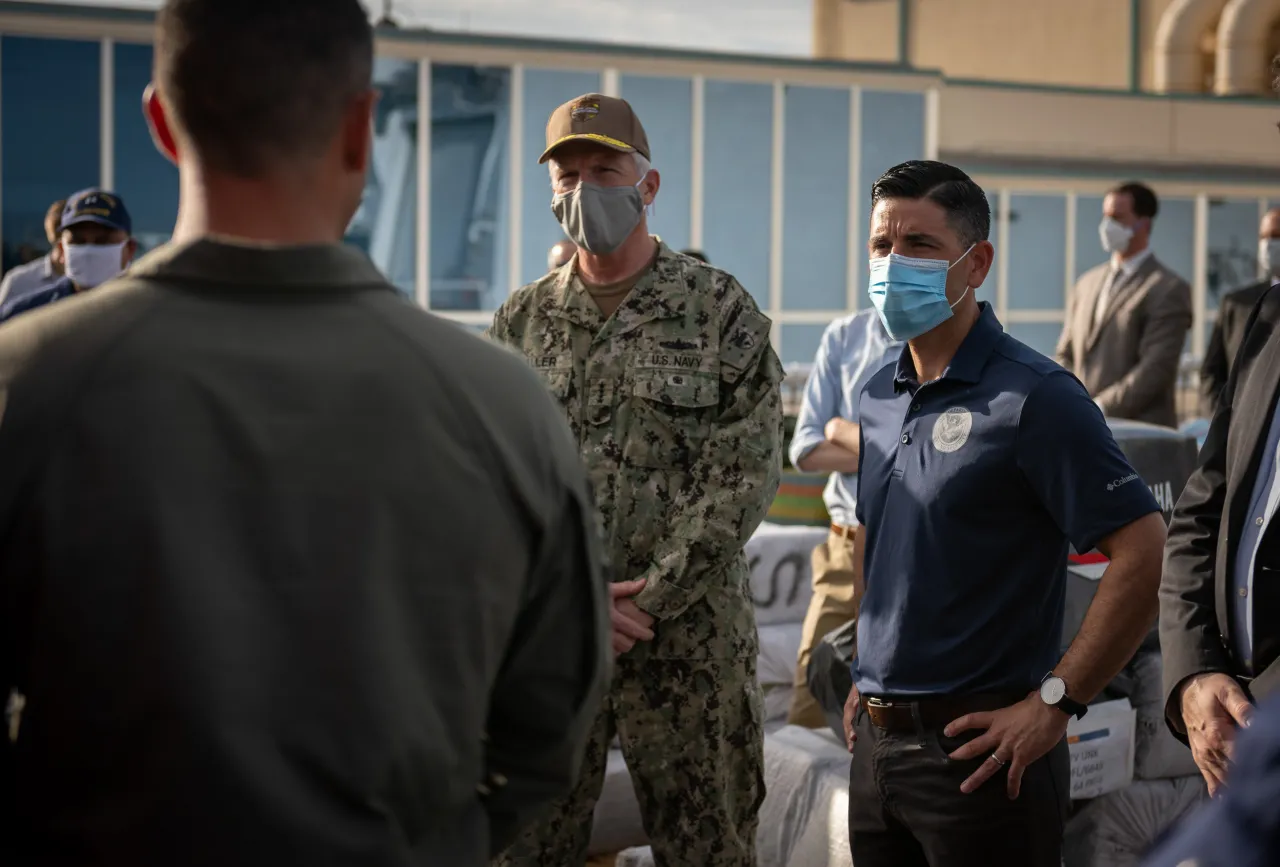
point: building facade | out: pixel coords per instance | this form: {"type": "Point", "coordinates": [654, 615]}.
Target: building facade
{"type": "Point", "coordinates": [1224, 47]}
{"type": "Point", "coordinates": [766, 164]}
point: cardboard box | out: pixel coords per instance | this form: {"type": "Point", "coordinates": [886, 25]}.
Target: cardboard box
{"type": "Point", "coordinates": [1102, 747]}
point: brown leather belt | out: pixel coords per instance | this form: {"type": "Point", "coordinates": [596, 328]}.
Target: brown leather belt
{"type": "Point", "coordinates": [903, 715]}
{"type": "Point", "coordinates": [843, 532]}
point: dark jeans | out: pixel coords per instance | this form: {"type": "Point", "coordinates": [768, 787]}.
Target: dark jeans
{"type": "Point", "coordinates": [906, 808]}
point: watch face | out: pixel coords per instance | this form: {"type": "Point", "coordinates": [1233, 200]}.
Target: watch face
{"type": "Point", "coordinates": [1053, 690]}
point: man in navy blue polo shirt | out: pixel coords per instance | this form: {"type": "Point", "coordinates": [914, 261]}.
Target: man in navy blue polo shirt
{"type": "Point", "coordinates": [981, 461]}
{"type": "Point", "coordinates": [97, 245]}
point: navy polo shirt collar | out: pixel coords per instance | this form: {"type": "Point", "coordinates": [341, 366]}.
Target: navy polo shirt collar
{"type": "Point", "coordinates": [969, 360]}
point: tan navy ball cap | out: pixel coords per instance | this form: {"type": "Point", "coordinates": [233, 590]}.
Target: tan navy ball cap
{"type": "Point", "coordinates": [604, 120]}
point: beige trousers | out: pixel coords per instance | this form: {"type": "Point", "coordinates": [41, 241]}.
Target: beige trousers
{"type": "Point", "coordinates": [834, 604]}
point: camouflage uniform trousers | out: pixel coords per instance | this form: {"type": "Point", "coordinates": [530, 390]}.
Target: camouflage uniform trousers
{"type": "Point", "coordinates": [692, 735]}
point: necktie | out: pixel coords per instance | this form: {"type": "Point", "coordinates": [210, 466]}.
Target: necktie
{"type": "Point", "coordinates": [1104, 297]}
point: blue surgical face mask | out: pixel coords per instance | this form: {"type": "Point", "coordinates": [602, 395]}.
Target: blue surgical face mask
{"type": "Point", "coordinates": [911, 294]}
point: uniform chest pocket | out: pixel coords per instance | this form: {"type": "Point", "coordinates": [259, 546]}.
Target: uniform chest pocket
{"type": "Point", "coordinates": [671, 416]}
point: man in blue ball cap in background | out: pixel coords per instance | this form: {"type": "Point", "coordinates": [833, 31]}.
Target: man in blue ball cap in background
{"type": "Point", "coordinates": [97, 243]}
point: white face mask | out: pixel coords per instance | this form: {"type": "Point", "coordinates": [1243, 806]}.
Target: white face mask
{"type": "Point", "coordinates": [1115, 235]}
{"type": "Point", "coordinates": [91, 265]}
{"type": "Point", "coordinates": [1269, 257]}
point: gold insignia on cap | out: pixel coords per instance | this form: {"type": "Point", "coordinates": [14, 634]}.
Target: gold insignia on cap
{"type": "Point", "coordinates": [585, 110]}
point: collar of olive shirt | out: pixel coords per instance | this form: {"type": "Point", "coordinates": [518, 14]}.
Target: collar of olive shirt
{"type": "Point", "coordinates": [608, 297]}
{"type": "Point", "coordinates": [658, 294]}
{"type": "Point", "coordinates": [232, 263]}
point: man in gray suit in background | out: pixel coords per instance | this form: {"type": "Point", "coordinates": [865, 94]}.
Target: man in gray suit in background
{"type": "Point", "coordinates": [1128, 318]}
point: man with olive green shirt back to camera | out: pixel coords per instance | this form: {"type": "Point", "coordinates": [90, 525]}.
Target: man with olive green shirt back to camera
{"type": "Point", "coordinates": [664, 368]}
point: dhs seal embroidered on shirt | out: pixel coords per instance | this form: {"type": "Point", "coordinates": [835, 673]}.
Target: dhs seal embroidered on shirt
{"type": "Point", "coordinates": [951, 430]}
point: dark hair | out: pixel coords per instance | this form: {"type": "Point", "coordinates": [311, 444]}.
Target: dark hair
{"type": "Point", "coordinates": [255, 83]}
{"type": "Point", "coordinates": [1145, 203]}
{"type": "Point", "coordinates": [53, 216]}
{"type": "Point", "coordinates": [968, 210]}
{"type": "Point", "coordinates": [697, 254]}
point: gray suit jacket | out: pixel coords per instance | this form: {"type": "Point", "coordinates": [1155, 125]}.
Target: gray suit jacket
{"type": "Point", "coordinates": [1129, 360]}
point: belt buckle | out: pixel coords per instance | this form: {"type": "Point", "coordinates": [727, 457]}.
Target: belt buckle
{"type": "Point", "coordinates": [873, 701]}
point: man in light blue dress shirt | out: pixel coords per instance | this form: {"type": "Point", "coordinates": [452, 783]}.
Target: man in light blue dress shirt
{"type": "Point", "coordinates": [826, 441]}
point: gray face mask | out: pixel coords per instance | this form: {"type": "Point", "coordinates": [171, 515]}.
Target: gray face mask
{"type": "Point", "coordinates": [599, 219]}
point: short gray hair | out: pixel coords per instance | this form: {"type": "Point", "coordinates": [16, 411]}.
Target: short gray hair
{"type": "Point", "coordinates": [642, 165]}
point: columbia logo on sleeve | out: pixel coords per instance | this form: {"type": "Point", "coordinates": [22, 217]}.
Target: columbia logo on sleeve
{"type": "Point", "coordinates": [1118, 482]}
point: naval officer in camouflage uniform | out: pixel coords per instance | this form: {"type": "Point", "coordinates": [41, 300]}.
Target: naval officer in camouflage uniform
{"type": "Point", "coordinates": [664, 367]}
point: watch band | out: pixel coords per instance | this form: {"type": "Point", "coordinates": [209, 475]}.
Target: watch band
{"type": "Point", "coordinates": [1072, 707]}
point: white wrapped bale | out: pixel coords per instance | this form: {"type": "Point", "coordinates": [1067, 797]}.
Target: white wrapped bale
{"type": "Point", "coordinates": [1117, 829]}
{"type": "Point", "coordinates": [804, 818]}
{"type": "Point", "coordinates": [776, 667]}
{"type": "Point", "coordinates": [1158, 755]}
{"type": "Point", "coordinates": [617, 823]}
{"type": "Point", "coordinates": [636, 858]}
{"type": "Point", "coordinates": [617, 816]}
{"type": "Point", "coordinates": [781, 574]}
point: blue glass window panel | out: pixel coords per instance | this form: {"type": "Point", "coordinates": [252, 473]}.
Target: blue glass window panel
{"type": "Point", "coordinates": [1089, 252]}
{"type": "Point", "coordinates": [892, 132]}
{"type": "Point", "coordinates": [1233, 247]}
{"type": "Point", "coordinates": [544, 91]}
{"type": "Point", "coordinates": [145, 178]}
{"type": "Point", "coordinates": [737, 180]}
{"type": "Point", "coordinates": [51, 98]}
{"type": "Point", "coordinates": [1173, 240]}
{"type": "Point", "coordinates": [386, 224]}
{"type": "Point", "coordinates": [1040, 336]}
{"type": "Point", "coordinates": [665, 108]}
{"type": "Point", "coordinates": [1037, 252]}
{"type": "Point", "coordinates": [470, 189]}
{"type": "Point", "coordinates": [800, 343]}
{"type": "Point", "coordinates": [815, 217]}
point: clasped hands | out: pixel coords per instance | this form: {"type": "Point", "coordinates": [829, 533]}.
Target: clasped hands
{"type": "Point", "coordinates": [630, 624]}
{"type": "Point", "coordinates": [1214, 707]}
